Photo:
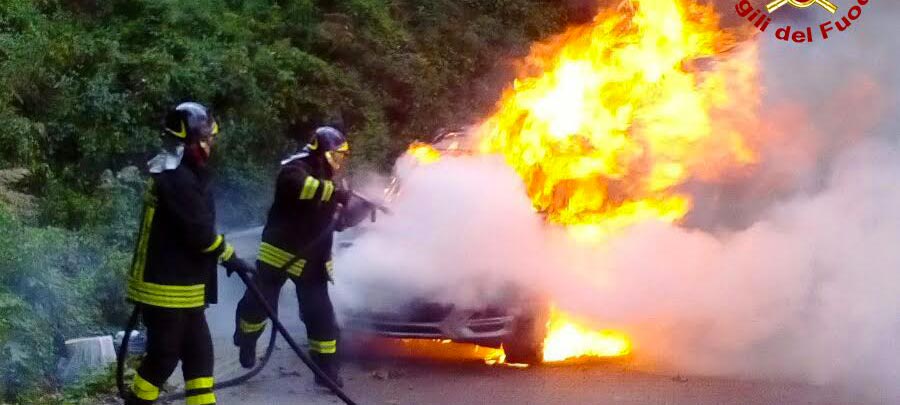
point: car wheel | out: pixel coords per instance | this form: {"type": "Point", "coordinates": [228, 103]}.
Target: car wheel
{"type": "Point", "coordinates": [526, 343]}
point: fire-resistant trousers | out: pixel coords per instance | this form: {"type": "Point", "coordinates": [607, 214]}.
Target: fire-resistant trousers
{"type": "Point", "coordinates": [175, 335]}
{"type": "Point", "coordinates": [316, 310]}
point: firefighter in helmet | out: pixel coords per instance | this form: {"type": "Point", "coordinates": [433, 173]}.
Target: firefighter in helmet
{"type": "Point", "coordinates": [296, 244]}
{"type": "Point", "coordinates": [173, 274]}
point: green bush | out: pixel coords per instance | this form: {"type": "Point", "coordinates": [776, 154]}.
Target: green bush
{"type": "Point", "coordinates": [57, 284]}
{"type": "Point", "coordinates": [94, 388]}
{"type": "Point", "coordinates": [38, 305]}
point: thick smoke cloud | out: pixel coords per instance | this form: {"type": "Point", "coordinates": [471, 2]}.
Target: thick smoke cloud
{"type": "Point", "coordinates": [459, 226]}
{"type": "Point", "coordinates": [809, 291]}
{"type": "Point", "coordinates": [792, 272]}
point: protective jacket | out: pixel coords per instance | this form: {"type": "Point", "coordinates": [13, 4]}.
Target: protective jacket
{"type": "Point", "coordinates": [300, 222]}
{"type": "Point", "coordinates": [178, 249]}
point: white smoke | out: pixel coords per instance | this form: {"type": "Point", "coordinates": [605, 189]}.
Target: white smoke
{"type": "Point", "coordinates": [805, 286]}
{"type": "Point", "coordinates": [810, 291]}
{"type": "Point", "coordinates": [457, 226]}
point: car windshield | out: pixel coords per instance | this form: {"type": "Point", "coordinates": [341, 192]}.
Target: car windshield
{"type": "Point", "coordinates": [453, 141]}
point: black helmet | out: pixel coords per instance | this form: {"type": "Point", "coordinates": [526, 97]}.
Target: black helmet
{"type": "Point", "coordinates": [331, 143]}
{"type": "Point", "coordinates": [190, 122]}
{"type": "Point", "coordinates": [328, 139]}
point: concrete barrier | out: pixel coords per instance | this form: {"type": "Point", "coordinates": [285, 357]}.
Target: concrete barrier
{"type": "Point", "coordinates": [87, 354]}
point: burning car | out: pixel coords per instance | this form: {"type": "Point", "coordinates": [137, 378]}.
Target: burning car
{"type": "Point", "coordinates": [520, 323]}
{"type": "Point", "coordinates": [515, 321]}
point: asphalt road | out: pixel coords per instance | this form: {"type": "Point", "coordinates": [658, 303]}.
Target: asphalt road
{"type": "Point", "coordinates": [386, 372]}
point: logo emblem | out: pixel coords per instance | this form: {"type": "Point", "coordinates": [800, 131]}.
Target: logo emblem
{"type": "Point", "coordinates": [826, 4]}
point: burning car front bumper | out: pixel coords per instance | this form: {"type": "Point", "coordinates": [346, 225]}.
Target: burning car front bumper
{"type": "Point", "coordinates": [456, 325]}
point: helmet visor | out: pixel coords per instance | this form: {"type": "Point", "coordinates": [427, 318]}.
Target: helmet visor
{"type": "Point", "coordinates": [337, 158]}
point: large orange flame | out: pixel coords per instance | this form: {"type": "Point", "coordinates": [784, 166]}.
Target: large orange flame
{"type": "Point", "coordinates": [567, 338]}
{"type": "Point", "coordinates": [607, 120]}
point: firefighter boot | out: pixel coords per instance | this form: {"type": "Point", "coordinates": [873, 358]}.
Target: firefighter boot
{"type": "Point", "coordinates": [248, 354]}
{"type": "Point", "coordinates": [247, 346]}
{"type": "Point", "coordinates": [329, 364]}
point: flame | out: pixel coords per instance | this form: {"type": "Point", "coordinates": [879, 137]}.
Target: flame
{"type": "Point", "coordinates": [567, 339]}
{"type": "Point", "coordinates": [423, 152]}
{"type": "Point", "coordinates": [498, 357]}
{"type": "Point", "coordinates": [607, 120]}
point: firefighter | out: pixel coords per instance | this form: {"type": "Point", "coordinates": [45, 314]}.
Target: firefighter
{"type": "Point", "coordinates": [173, 274]}
{"type": "Point", "coordinates": [296, 244]}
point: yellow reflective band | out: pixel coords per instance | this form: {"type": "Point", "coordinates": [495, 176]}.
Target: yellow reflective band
{"type": "Point", "coordinates": [314, 144]}
{"type": "Point", "coordinates": [322, 343]}
{"type": "Point", "coordinates": [175, 297]}
{"type": "Point", "coordinates": [327, 190]}
{"type": "Point", "coordinates": [175, 290]}
{"type": "Point", "coordinates": [199, 383]}
{"type": "Point", "coordinates": [166, 296]}
{"type": "Point", "coordinates": [323, 346]}
{"type": "Point", "coordinates": [149, 197]}
{"type": "Point", "coordinates": [143, 389]}
{"type": "Point", "coordinates": [309, 188]}
{"type": "Point", "coordinates": [140, 257]}
{"type": "Point", "coordinates": [297, 268]}
{"type": "Point", "coordinates": [329, 268]}
{"type": "Point", "coordinates": [322, 350]}
{"type": "Point", "coordinates": [202, 399]}
{"type": "Point", "coordinates": [139, 261]}
{"type": "Point", "coordinates": [248, 327]}
{"type": "Point", "coordinates": [273, 256]}
{"type": "Point", "coordinates": [178, 303]}
{"type": "Point", "coordinates": [215, 245]}
{"type": "Point", "coordinates": [345, 147]}
{"type": "Point", "coordinates": [275, 252]}
{"type": "Point", "coordinates": [137, 291]}
{"type": "Point", "coordinates": [227, 252]}
{"type": "Point", "coordinates": [180, 134]}
{"type": "Point", "coordinates": [270, 258]}
{"type": "Point", "coordinates": [271, 261]}
{"type": "Point", "coordinates": [276, 257]}
{"type": "Point", "coordinates": [215, 128]}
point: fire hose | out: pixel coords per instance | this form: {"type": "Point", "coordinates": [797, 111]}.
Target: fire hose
{"type": "Point", "coordinates": [278, 327]}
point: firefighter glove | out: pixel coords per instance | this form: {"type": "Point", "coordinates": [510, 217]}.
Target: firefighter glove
{"type": "Point", "coordinates": [354, 211]}
{"type": "Point", "coordinates": [234, 264]}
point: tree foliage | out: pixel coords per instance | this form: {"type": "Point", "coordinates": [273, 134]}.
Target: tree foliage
{"type": "Point", "coordinates": [87, 81]}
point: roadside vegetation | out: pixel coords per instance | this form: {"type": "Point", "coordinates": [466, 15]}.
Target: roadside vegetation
{"type": "Point", "coordinates": [85, 83]}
